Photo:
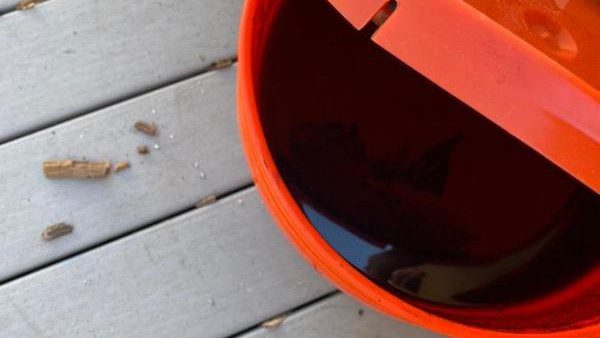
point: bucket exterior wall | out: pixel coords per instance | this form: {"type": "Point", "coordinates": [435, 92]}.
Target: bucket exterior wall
{"type": "Point", "coordinates": [255, 21]}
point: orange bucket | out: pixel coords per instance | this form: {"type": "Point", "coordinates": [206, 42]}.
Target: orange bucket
{"type": "Point", "coordinates": [518, 81]}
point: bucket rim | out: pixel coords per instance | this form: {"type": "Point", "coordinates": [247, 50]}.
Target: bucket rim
{"type": "Point", "coordinates": [298, 229]}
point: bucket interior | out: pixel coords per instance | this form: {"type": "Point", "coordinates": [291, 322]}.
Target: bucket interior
{"type": "Point", "coordinates": [422, 194]}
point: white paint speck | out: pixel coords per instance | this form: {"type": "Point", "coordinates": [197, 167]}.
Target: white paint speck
{"type": "Point", "coordinates": [300, 283]}
{"type": "Point", "coordinates": [202, 173]}
{"type": "Point", "coordinates": [171, 136]}
{"type": "Point", "coordinates": [240, 201]}
{"type": "Point", "coordinates": [86, 282]}
{"type": "Point", "coordinates": [153, 111]}
{"type": "Point", "coordinates": [156, 146]}
{"type": "Point", "coordinates": [82, 136]}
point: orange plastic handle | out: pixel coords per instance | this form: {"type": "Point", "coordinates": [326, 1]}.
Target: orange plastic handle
{"type": "Point", "coordinates": [508, 79]}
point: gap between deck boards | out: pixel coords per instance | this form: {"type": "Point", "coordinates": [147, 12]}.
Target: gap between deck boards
{"type": "Point", "coordinates": [213, 271]}
{"type": "Point", "coordinates": [8, 6]}
{"type": "Point", "coordinates": [116, 101]}
{"type": "Point", "coordinates": [289, 312]}
{"type": "Point", "coordinates": [68, 57]}
{"type": "Point", "coordinates": [211, 113]}
{"type": "Point", "coordinates": [121, 236]}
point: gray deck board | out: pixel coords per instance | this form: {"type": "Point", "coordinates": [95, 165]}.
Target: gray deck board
{"type": "Point", "coordinates": [340, 316]}
{"type": "Point", "coordinates": [7, 5]}
{"type": "Point", "coordinates": [209, 273]}
{"type": "Point", "coordinates": [67, 57]}
{"type": "Point", "coordinates": [76, 76]}
{"type": "Point", "coordinates": [199, 115]}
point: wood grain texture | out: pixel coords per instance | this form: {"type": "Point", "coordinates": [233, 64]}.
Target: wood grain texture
{"type": "Point", "coordinates": [69, 169]}
{"type": "Point", "coordinates": [65, 57]}
{"type": "Point", "coordinates": [340, 316]}
{"type": "Point", "coordinates": [209, 273]}
{"type": "Point", "coordinates": [199, 154]}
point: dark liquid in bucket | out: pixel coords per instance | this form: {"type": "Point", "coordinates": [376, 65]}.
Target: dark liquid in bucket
{"type": "Point", "coordinates": [419, 192]}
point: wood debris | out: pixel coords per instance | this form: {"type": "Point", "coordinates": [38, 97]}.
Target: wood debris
{"type": "Point", "coordinates": [274, 323]}
{"type": "Point", "coordinates": [57, 230]}
{"type": "Point", "coordinates": [222, 64]}
{"type": "Point", "coordinates": [27, 4]}
{"type": "Point", "coordinates": [76, 169]}
{"type": "Point", "coordinates": [121, 166]}
{"type": "Point", "coordinates": [208, 200]}
{"type": "Point", "coordinates": [143, 150]}
{"type": "Point", "coordinates": [146, 128]}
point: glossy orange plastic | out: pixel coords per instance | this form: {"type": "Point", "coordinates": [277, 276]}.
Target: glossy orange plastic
{"type": "Point", "coordinates": [563, 124]}
{"type": "Point", "coordinates": [532, 67]}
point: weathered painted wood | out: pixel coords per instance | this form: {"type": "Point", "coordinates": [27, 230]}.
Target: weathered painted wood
{"type": "Point", "coordinates": [199, 155]}
{"type": "Point", "coordinates": [67, 56]}
{"type": "Point", "coordinates": [209, 273]}
{"type": "Point", "coordinates": [7, 5]}
{"type": "Point", "coordinates": [11, 5]}
{"type": "Point", "coordinates": [340, 316]}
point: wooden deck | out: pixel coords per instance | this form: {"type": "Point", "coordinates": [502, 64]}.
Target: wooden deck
{"type": "Point", "coordinates": [142, 261]}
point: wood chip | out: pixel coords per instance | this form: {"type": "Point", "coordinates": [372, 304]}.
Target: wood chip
{"type": "Point", "coordinates": [208, 200]}
{"type": "Point", "coordinates": [222, 64]}
{"type": "Point", "coordinates": [274, 323]}
{"type": "Point", "coordinates": [27, 4]}
{"type": "Point", "coordinates": [76, 169]}
{"type": "Point", "coordinates": [146, 128]}
{"type": "Point", "coordinates": [57, 230]}
{"type": "Point", "coordinates": [121, 166]}
{"type": "Point", "coordinates": [143, 150]}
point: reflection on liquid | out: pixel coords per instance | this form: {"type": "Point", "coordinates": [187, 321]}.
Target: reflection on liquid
{"type": "Point", "coordinates": [443, 283]}
{"type": "Point", "coordinates": [389, 219]}
{"type": "Point", "coordinates": [415, 189]}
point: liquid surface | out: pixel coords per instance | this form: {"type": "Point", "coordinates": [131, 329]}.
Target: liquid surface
{"type": "Point", "coordinates": [412, 187]}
